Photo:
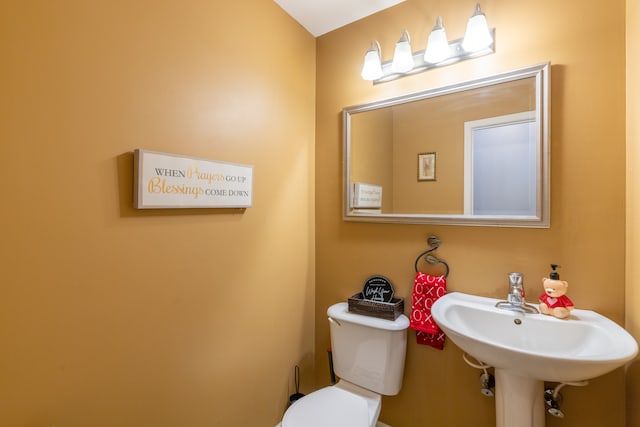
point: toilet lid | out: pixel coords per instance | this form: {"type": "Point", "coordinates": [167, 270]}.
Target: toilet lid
{"type": "Point", "coordinates": [328, 407]}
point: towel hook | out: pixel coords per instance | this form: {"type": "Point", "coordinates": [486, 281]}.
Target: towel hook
{"type": "Point", "coordinates": [434, 244]}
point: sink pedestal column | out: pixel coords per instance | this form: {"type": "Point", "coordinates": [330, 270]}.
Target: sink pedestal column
{"type": "Point", "coordinates": [519, 400]}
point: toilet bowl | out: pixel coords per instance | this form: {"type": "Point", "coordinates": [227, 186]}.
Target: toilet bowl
{"type": "Point", "coordinates": [341, 405]}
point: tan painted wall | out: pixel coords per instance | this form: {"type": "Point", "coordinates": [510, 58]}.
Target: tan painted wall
{"type": "Point", "coordinates": [633, 205]}
{"type": "Point", "coordinates": [438, 127]}
{"type": "Point", "coordinates": [372, 141]}
{"type": "Point", "coordinates": [587, 236]}
{"type": "Point", "coordinates": [419, 130]}
{"type": "Point", "coordinates": [115, 317]}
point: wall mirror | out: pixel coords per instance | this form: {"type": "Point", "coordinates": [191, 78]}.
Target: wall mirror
{"type": "Point", "coordinates": [472, 153]}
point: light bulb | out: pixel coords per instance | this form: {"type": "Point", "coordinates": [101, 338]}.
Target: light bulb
{"type": "Point", "coordinates": [437, 46]}
{"type": "Point", "coordinates": [372, 67]}
{"type": "Point", "coordinates": [403, 57]}
{"type": "Point", "coordinates": [477, 36]}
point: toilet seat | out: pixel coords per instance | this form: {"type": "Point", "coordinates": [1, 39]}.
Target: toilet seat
{"type": "Point", "coordinates": [331, 407]}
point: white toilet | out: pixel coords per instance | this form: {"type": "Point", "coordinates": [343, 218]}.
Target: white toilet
{"type": "Point", "coordinates": [368, 356]}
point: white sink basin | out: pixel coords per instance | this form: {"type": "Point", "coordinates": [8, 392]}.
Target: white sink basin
{"type": "Point", "coordinates": [535, 346]}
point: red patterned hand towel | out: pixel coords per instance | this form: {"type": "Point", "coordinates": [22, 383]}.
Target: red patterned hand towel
{"type": "Point", "coordinates": [426, 290]}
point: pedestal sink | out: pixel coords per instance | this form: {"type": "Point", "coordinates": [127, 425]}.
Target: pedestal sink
{"type": "Point", "coordinates": [528, 349]}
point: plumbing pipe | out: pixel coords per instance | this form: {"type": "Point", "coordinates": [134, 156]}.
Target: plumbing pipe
{"type": "Point", "coordinates": [487, 381]}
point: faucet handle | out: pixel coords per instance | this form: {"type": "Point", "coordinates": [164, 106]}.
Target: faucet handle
{"type": "Point", "coordinates": [515, 278]}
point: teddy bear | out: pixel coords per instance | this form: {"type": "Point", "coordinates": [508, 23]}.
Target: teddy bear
{"type": "Point", "coordinates": [553, 301]}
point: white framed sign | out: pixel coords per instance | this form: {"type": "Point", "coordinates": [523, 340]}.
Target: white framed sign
{"type": "Point", "coordinates": [163, 180]}
{"type": "Point", "coordinates": [366, 196]}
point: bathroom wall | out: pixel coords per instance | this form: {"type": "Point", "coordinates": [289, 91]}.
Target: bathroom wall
{"type": "Point", "coordinates": [111, 316]}
{"type": "Point", "coordinates": [587, 234]}
{"type": "Point", "coordinates": [431, 128]}
{"type": "Point", "coordinates": [633, 205]}
{"type": "Point", "coordinates": [376, 166]}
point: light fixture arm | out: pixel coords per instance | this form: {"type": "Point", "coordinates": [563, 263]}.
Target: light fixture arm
{"type": "Point", "coordinates": [376, 45]}
{"type": "Point", "coordinates": [477, 10]}
{"type": "Point", "coordinates": [438, 25]}
{"type": "Point", "coordinates": [405, 36]}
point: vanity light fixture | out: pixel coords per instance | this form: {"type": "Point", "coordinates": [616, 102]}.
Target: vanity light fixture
{"type": "Point", "coordinates": [403, 57]}
{"type": "Point", "coordinates": [437, 46]}
{"type": "Point", "coordinates": [372, 68]}
{"type": "Point", "coordinates": [477, 36]}
{"type": "Point", "coordinates": [479, 40]}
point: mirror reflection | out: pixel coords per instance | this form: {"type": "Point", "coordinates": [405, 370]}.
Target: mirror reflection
{"type": "Point", "coordinates": [474, 153]}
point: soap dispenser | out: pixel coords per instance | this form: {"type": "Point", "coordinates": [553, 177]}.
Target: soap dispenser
{"type": "Point", "coordinates": [553, 301]}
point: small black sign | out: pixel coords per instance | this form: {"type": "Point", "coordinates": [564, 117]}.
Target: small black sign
{"type": "Point", "coordinates": [377, 288]}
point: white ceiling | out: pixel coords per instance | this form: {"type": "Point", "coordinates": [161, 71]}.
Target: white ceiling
{"type": "Point", "coordinates": [321, 16]}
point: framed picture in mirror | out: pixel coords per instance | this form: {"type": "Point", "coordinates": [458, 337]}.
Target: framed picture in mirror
{"type": "Point", "coordinates": [427, 167]}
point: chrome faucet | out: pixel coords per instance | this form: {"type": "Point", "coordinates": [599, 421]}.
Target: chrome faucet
{"type": "Point", "coordinates": [516, 298]}
{"type": "Point", "coordinates": [516, 290]}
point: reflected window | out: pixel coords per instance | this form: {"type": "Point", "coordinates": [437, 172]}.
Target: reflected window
{"type": "Point", "coordinates": [502, 155]}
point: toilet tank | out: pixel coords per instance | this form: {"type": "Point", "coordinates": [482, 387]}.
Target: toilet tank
{"type": "Point", "coordinates": [368, 351]}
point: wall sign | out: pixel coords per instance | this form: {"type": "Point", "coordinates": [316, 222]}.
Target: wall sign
{"type": "Point", "coordinates": [366, 195]}
{"type": "Point", "coordinates": [164, 180]}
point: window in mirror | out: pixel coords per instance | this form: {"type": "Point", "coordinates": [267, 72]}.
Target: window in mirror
{"type": "Point", "coordinates": [501, 158]}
